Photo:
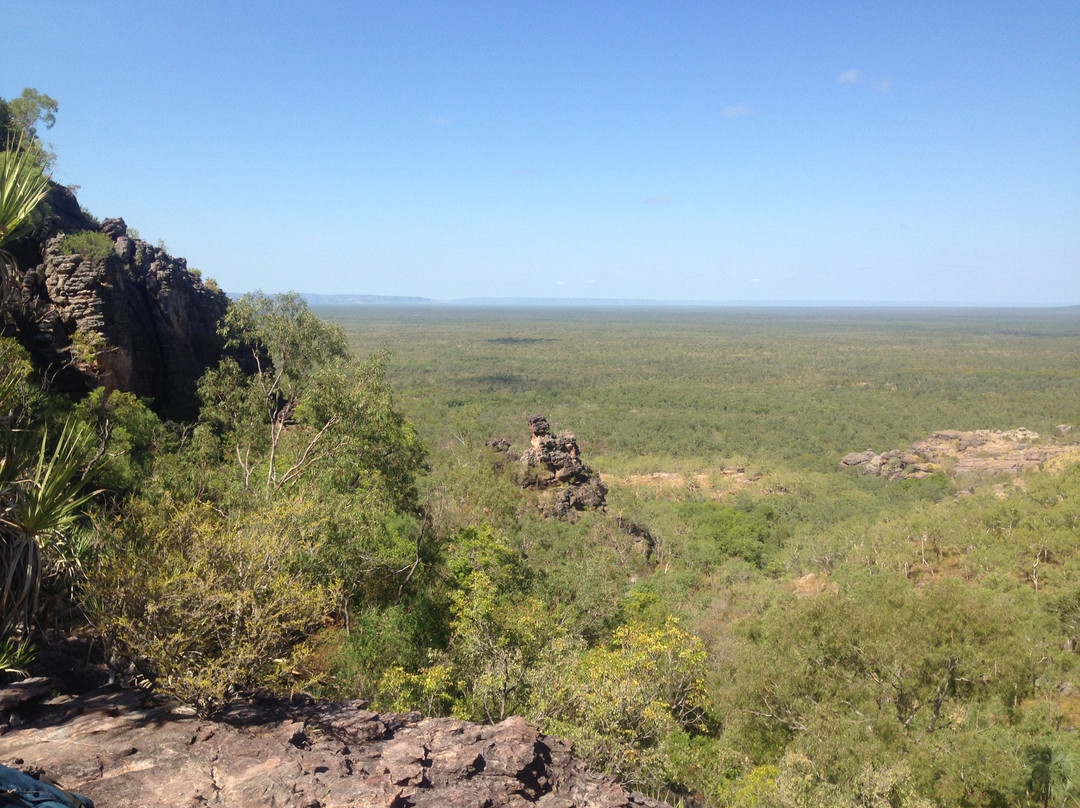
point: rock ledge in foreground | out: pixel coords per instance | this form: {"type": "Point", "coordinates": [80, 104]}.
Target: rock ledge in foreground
{"type": "Point", "coordinates": [121, 749]}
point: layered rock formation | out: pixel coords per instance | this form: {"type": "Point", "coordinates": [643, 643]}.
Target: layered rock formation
{"type": "Point", "coordinates": [959, 453]}
{"type": "Point", "coordinates": [134, 319]}
{"type": "Point", "coordinates": [123, 751]}
{"type": "Point", "coordinates": [553, 466]}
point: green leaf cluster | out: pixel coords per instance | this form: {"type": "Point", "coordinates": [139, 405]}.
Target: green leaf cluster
{"type": "Point", "coordinates": [41, 495]}
{"type": "Point", "coordinates": [91, 244]}
{"type": "Point", "coordinates": [206, 606]}
{"type": "Point", "coordinates": [287, 508]}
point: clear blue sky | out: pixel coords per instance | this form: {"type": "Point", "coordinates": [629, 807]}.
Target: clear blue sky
{"type": "Point", "coordinates": [920, 152]}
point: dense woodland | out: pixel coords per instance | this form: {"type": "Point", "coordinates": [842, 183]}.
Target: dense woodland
{"type": "Point", "coordinates": [334, 521]}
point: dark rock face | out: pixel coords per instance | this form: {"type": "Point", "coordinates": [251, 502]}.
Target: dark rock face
{"type": "Point", "coordinates": [120, 751]}
{"type": "Point", "coordinates": [553, 465]}
{"type": "Point", "coordinates": [644, 540]}
{"type": "Point", "coordinates": [135, 320]}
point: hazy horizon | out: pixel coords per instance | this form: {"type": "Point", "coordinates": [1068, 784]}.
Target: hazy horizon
{"type": "Point", "coordinates": [318, 300]}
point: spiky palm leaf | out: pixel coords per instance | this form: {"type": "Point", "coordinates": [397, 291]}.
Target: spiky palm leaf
{"type": "Point", "coordinates": [1051, 770]}
{"type": "Point", "coordinates": [22, 187]}
{"type": "Point", "coordinates": [16, 656]}
{"type": "Point", "coordinates": [37, 508]}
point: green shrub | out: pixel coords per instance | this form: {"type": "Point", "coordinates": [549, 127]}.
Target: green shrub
{"type": "Point", "coordinates": [90, 244]}
{"type": "Point", "coordinates": [621, 705]}
{"type": "Point", "coordinates": [128, 432]}
{"type": "Point", "coordinates": [204, 606]}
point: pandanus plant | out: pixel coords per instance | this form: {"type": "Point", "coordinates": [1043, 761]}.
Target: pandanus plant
{"type": "Point", "coordinates": [22, 187]}
{"type": "Point", "coordinates": [40, 503]}
{"type": "Point", "coordinates": [39, 479]}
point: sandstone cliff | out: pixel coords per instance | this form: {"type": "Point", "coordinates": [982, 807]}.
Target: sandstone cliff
{"type": "Point", "coordinates": [134, 319]}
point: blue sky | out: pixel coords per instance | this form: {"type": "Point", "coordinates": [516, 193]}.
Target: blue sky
{"type": "Point", "coordinates": [910, 152]}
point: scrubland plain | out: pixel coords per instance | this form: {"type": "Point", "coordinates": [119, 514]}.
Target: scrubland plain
{"type": "Point", "coordinates": [831, 637]}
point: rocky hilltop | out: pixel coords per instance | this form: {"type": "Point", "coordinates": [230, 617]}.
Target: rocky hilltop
{"type": "Point", "coordinates": [130, 317]}
{"type": "Point", "coordinates": [959, 453]}
{"type": "Point", "coordinates": [124, 750]}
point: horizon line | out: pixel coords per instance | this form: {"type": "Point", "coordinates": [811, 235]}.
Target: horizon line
{"type": "Point", "coordinates": [348, 299]}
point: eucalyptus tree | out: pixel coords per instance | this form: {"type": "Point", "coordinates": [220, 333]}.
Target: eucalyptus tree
{"type": "Point", "coordinates": [20, 118]}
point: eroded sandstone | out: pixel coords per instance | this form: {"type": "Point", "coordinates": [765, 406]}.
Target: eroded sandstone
{"type": "Point", "coordinates": [123, 749]}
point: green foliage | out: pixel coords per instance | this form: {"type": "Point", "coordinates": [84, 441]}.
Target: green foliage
{"type": "Point", "coordinates": [1051, 775]}
{"type": "Point", "coordinates": [498, 632]}
{"type": "Point", "coordinates": [374, 445]}
{"type": "Point", "coordinates": [19, 119]}
{"type": "Point", "coordinates": [128, 433]}
{"type": "Point", "coordinates": [498, 636]}
{"type": "Point", "coordinates": [91, 244]}
{"type": "Point", "coordinates": [431, 690]}
{"type": "Point", "coordinates": [372, 655]}
{"type": "Point", "coordinates": [283, 330]}
{"type": "Point", "coordinates": [250, 540]}
{"type": "Point", "coordinates": [23, 186]}
{"type": "Point", "coordinates": [307, 412]}
{"type": "Point", "coordinates": [622, 704]}
{"type": "Point", "coordinates": [717, 532]}
{"type": "Point", "coordinates": [857, 674]}
{"type": "Point", "coordinates": [22, 115]}
{"type": "Point", "coordinates": [795, 784]}
{"type": "Point", "coordinates": [15, 657]}
{"type": "Point", "coordinates": [206, 606]}
{"type": "Point", "coordinates": [40, 498]}
{"type": "Point", "coordinates": [20, 399]}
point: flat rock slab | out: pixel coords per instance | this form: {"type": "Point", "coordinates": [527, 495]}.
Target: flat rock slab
{"type": "Point", "coordinates": [121, 748]}
{"type": "Point", "coordinates": [982, 451]}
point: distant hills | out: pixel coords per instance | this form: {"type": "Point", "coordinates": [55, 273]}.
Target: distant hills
{"type": "Point", "coordinates": [364, 300]}
{"type": "Point", "coordinates": [501, 302]}
{"type": "Point", "coordinates": [514, 302]}
{"type": "Point", "coordinates": [593, 302]}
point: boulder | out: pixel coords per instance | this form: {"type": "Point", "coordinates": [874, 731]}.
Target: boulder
{"type": "Point", "coordinates": [552, 465]}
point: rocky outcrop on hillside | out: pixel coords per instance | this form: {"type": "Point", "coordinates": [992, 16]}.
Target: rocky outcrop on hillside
{"type": "Point", "coordinates": [958, 453]}
{"type": "Point", "coordinates": [553, 466]}
{"type": "Point", "coordinates": [131, 317]}
{"type": "Point", "coordinates": [123, 750]}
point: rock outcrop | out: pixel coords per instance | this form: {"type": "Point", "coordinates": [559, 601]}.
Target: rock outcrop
{"type": "Point", "coordinates": [123, 750]}
{"type": "Point", "coordinates": [133, 318]}
{"type": "Point", "coordinates": [553, 466]}
{"type": "Point", "coordinates": [958, 453]}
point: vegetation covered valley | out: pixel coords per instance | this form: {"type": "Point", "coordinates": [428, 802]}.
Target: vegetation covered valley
{"type": "Point", "coordinates": [855, 640]}
{"type": "Point", "coordinates": [340, 512]}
